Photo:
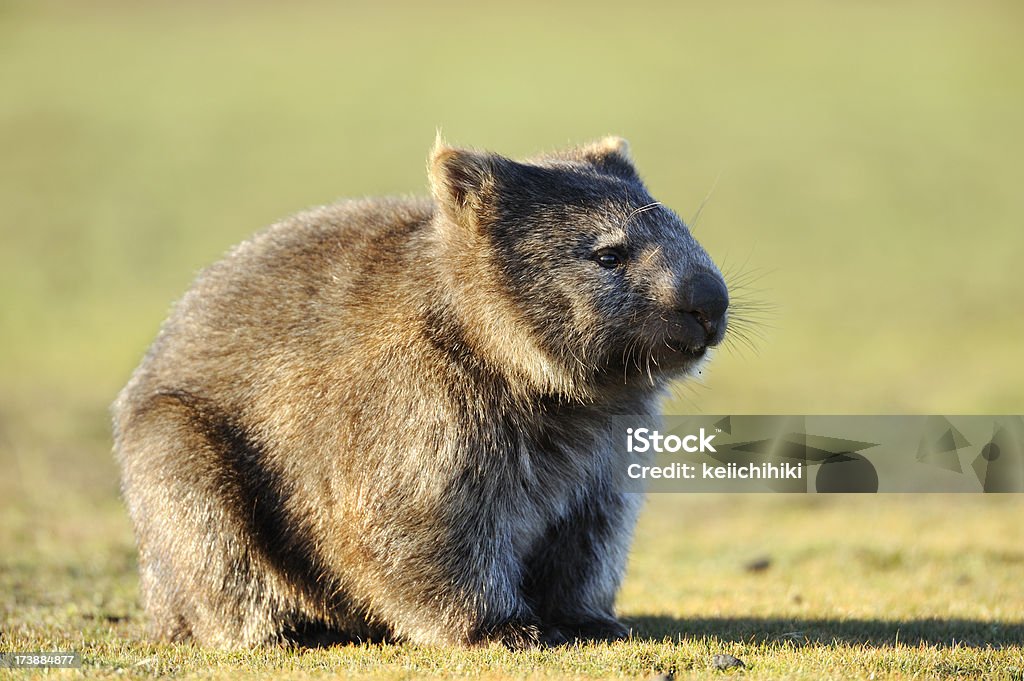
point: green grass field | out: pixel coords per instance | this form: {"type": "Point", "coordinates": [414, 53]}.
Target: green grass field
{"type": "Point", "coordinates": [890, 587]}
{"type": "Point", "coordinates": [866, 167]}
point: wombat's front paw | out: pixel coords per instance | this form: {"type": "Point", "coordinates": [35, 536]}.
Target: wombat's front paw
{"type": "Point", "coordinates": [596, 630]}
{"type": "Point", "coordinates": [553, 636]}
{"type": "Point", "coordinates": [513, 634]}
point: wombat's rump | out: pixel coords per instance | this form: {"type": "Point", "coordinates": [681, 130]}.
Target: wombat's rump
{"type": "Point", "coordinates": [389, 418]}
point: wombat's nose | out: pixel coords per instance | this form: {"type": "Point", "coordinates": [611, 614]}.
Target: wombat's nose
{"type": "Point", "coordinates": [706, 298]}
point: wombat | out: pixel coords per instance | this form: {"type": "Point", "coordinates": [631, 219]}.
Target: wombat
{"type": "Point", "coordinates": [388, 419]}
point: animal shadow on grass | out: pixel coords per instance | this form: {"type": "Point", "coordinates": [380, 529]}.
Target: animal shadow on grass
{"type": "Point", "coordinates": [870, 632]}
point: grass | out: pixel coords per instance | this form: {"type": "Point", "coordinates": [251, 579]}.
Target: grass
{"type": "Point", "coordinates": [874, 587]}
{"type": "Point", "coordinates": [865, 160]}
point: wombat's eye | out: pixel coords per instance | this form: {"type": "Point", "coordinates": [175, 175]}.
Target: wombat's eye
{"type": "Point", "coordinates": [609, 258]}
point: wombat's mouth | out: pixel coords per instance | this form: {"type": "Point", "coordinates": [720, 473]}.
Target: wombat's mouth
{"type": "Point", "coordinates": [688, 338]}
{"type": "Point", "coordinates": [673, 345]}
{"type": "Point", "coordinates": [687, 351]}
{"type": "Point", "coordinates": [676, 354]}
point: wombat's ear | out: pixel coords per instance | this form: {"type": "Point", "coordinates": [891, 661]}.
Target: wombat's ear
{"type": "Point", "coordinates": [463, 181]}
{"type": "Point", "coordinates": [610, 154]}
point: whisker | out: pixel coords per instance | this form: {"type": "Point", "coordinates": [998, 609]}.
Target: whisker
{"type": "Point", "coordinates": [637, 211]}
{"type": "Point", "coordinates": [700, 208]}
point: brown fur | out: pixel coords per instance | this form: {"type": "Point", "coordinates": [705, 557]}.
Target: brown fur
{"type": "Point", "coordinates": [389, 418]}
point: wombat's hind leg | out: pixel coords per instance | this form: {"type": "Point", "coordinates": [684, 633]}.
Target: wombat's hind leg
{"type": "Point", "coordinates": [166, 623]}
{"type": "Point", "coordinates": [201, 573]}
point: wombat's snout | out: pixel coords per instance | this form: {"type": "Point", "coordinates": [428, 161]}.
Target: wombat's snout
{"type": "Point", "coordinates": [705, 299]}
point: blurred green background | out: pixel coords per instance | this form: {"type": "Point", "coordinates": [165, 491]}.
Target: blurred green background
{"type": "Point", "coordinates": [866, 161]}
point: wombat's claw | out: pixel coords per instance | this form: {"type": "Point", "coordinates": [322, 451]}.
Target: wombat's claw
{"type": "Point", "coordinates": [515, 635]}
